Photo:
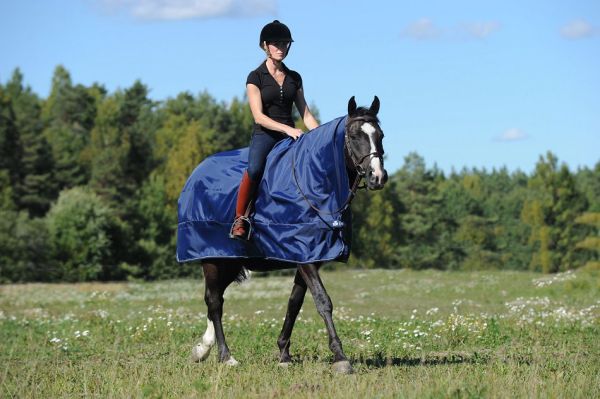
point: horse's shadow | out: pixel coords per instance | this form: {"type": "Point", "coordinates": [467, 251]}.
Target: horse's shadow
{"type": "Point", "coordinates": [429, 359]}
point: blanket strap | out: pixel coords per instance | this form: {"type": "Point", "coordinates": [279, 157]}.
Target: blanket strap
{"type": "Point", "coordinates": [345, 205]}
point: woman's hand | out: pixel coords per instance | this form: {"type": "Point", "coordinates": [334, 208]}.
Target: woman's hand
{"type": "Point", "coordinates": [294, 132]}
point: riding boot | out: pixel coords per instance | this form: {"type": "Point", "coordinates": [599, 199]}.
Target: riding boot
{"type": "Point", "coordinates": [241, 227]}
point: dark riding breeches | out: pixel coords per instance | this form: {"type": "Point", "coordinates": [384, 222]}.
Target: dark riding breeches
{"type": "Point", "coordinates": [261, 144]}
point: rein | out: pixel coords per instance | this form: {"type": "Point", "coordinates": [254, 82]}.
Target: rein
{"type": "Point", "coordinates": [360, 173]}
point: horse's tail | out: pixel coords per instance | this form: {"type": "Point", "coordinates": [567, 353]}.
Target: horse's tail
{"type": "Point", "coordinates": [243, 275]}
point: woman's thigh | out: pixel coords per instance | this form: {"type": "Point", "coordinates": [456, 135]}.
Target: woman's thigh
{"type": "Point", "coordinates": [260, 146]}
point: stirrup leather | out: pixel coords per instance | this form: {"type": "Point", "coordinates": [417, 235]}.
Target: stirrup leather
{"type": "Point", "coordinates": [247, 225]}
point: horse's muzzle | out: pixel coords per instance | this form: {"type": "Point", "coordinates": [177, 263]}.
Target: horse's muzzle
{"type": "Point", "coordinates": [376, 181]}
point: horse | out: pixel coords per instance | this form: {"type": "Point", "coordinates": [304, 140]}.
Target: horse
{"type": "Point", "coordinates": [363, 159]}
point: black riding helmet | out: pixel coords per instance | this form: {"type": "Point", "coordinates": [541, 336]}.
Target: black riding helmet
{"type": "Point", "coordinates": [275, 32]}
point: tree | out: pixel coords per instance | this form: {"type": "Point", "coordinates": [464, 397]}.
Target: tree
{"type": "Point", "coordinates": [85, 236]}
{"type": "Point", "coordinates": [69, 114]}
{"type": "Point", "coordinates": [196, 143]}
{"type": "Point", "coordinates": [423, 239]}
{"type": "Point", "coordinates": [121, 144]}
{"type": "Point", "coordinates": [591, 242]}
{"type": "Point", "coordinates": [35, 189]}
{"type": "Point", "coordinates": [550, 211]}
{"type": "Point", "coordinates": [376, 229]}
{"type": "Point", "coordinates": [588, 183]}
{"type": "Point", "coordinates": [10, 141]}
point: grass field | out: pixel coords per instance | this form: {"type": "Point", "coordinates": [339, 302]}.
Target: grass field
{"type": "Point", "coordinates": [408, 334]}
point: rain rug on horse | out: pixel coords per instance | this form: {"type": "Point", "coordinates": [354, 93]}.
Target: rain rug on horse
{"type": "Point", "coordinates": [300, 176]}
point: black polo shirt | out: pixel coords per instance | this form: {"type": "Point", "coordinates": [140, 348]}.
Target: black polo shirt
{"type": "Point", "coordinates": [277, 100]}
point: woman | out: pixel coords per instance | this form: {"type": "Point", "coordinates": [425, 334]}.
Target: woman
{"type": "Point", "coordinates": [272, 88]}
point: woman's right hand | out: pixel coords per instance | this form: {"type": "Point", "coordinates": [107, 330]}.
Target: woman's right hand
{"type": "Point", "coordinates": [294, 132]}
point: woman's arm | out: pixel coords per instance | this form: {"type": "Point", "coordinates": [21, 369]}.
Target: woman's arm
{"type": "Point", "coordinates": [255, 101]}
{"type": "Point", "coordinates": [307, 116]}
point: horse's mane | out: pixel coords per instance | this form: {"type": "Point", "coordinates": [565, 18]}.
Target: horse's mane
{"type": "Point", "coordinates": [365, 113]}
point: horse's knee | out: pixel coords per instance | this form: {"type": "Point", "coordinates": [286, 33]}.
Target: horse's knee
{"type": "Point", "coordinates": [213, 300]}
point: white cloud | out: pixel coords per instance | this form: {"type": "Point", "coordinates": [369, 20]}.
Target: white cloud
{"type": "Point", "coordinates": [422, 29]}
{"type": "Point", "coordinates": [481, 30]}
{"type": "Point", "coordinates": [512, 134]}
{"type": "Point", "coordinates": [188, 9]}
{"type": "Point", "coordinates": [577, 29]}
{"type": "Point", "coordinates": [425, 29]}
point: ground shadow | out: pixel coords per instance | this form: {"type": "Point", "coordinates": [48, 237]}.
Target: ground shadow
{"type": "Point", "coordinates": [428, 359]}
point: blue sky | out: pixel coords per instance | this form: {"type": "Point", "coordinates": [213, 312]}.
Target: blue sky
{"type": "Point", "coordinates": [463, 83]}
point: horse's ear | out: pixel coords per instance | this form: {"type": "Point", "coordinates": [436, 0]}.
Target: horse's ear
{"type": "Point", "coordinates": [375, 106]}
{"type": "Point", "coordinates": [351, 106]}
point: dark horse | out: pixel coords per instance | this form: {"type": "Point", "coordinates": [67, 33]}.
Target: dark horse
{"type": "Point", "coordinates": [363, 159]}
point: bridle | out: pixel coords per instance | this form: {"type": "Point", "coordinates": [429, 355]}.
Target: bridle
{"type": "Point", "coordinates": [360, 171]}
{"type": "Point", "coordinates": [357, 160]}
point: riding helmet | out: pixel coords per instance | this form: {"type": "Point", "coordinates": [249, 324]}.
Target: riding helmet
{"type": "Point", "coordinates": [275, 32]}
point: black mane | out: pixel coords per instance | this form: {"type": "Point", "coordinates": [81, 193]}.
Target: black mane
{"type": "Point", "coordinates": [365, 113]}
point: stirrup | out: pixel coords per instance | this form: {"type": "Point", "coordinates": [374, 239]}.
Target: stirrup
{"type": "Point", "coordinates": [247, 225]}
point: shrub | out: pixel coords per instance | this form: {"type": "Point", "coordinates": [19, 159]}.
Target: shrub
{"type": "Point", "coordinates": [84, 233]}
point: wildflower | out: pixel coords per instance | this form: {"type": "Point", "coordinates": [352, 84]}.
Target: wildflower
{"type": "Point", "coordinates": [432, 311]}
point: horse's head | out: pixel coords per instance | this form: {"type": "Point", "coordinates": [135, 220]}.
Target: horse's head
{"type": "Point", "coordinates": [364, 148]}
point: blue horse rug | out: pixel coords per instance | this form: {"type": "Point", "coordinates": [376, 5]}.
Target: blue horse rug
{"type": "Point", "coordinates": [286, 227]}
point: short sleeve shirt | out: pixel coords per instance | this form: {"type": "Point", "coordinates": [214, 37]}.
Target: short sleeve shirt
{"type": "Point", "coordinates": [277, 100]}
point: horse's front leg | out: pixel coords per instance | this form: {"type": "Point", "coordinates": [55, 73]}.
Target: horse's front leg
{"type": "Point", "coordinates": [294, 306]}
{"type": "Point", "coordinates": [216, 280]}
{"type": "Point", "coordinates": [310, 274]}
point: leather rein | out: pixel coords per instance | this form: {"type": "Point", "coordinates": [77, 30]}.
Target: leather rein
{"type": "Point", "coordinates": [357, 164]}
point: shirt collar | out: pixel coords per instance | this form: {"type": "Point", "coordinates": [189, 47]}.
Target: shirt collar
{"type": "Point", "coordinates": [263, 68]}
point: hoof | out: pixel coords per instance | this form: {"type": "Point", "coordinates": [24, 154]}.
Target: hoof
{"type": "Point", "coordinates": [200, 352]}
{"type": "Point", "coordinates": [284, 365]}
{"type": "Point", "coordinates": [342, 367]}
{"type": "Point", "coordinates": [231, 362]}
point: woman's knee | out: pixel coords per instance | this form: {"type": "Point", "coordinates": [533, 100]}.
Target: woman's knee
{"type": "Point", "coordinates": [255, 172]}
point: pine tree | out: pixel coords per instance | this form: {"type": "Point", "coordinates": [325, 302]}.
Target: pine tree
{"type": "Point", "coordinates": [550, 211]}
{"type": "Point", "coordinates": [423, 242]}
{"type": "Point", "coordinates": [10, 141]}
{"type": "Point", "coordinates": [121, 144]}
{"type": "Point", "coordinates": [591, 243]}
{"type": "Point", "coordinates": [36, 188]}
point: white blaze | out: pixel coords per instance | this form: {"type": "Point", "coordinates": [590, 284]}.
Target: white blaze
{"type": "Point", "coordinates": [376, 166]}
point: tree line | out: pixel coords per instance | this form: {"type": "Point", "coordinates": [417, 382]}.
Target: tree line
{"type": "Point", "coordinates": [89, 182]}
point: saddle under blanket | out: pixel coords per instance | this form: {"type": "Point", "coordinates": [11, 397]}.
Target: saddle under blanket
{"type": "Point", "coordinates": [286, 227]}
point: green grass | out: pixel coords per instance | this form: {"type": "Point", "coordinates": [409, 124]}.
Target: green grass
{"type": "Point", "coordinates": [408, 334]}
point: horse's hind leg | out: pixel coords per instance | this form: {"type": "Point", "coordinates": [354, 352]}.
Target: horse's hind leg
{"type": "Point", "coordinates": [310, 274]}
{"type": "Point", "coordinates": [216, 280]}
{"type": "Point", "coordinates": [294, 305]}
